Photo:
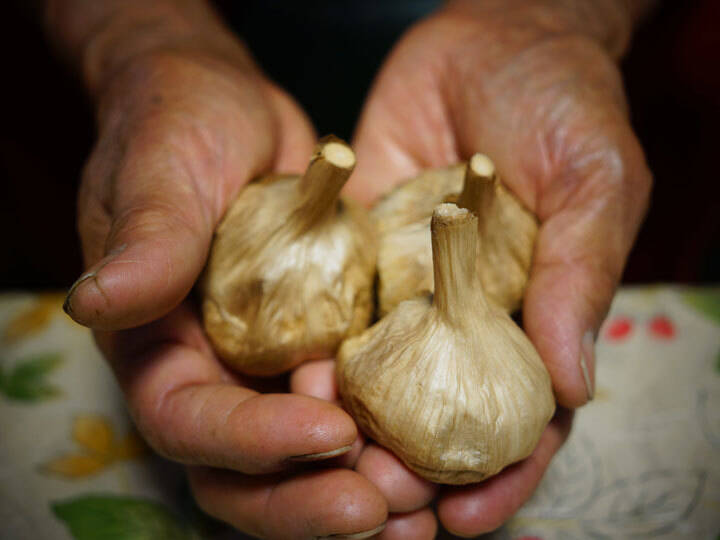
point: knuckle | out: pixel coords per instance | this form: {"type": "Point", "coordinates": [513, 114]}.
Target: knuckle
{"type": "Point", "coordinates": [152, 217]}
{"type": "Point", "coordinates": [159, 428]}
{"type": "Point", "coordinates": [152, 432]}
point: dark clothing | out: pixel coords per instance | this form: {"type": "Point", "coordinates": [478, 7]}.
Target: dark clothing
{"type": "Point", "coordinates": [325, 54]}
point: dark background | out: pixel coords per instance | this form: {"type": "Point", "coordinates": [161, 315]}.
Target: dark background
{"type": "Point", "coordinates": [672, 75]}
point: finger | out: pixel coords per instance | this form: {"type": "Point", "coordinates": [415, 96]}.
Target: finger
{"type": "Point", "coordinates": [404, 490]}
{"type": "Point", "coordinates": [317, 379]}
{"type": "Point", "coordinates": [419, 525]}
{"type": "Point", "coordinates": [335, 503]}
{"type": "Point", "coordinates": [481, 508]}
{"type": "Point", "coordinates": [190, 410]}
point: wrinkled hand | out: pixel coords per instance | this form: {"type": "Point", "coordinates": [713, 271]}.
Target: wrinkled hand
{"type": "Point", "coordinates": [545, 101]}
{"type": "Point", "coordinates": [179, 134]}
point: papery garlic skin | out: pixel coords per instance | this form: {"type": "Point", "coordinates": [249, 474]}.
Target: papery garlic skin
{"type": "Point", "coordinates": [290, 275]}
{"type": "Point", "coordinates": [451, 385]}
{"type": "Point", "coordinates": [415, 200]}
{"type": "Point", "coordinates": [507, 233]}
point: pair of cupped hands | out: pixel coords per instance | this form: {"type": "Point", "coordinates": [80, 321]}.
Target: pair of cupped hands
{"type": "Point", "coordinates": [182, 129]}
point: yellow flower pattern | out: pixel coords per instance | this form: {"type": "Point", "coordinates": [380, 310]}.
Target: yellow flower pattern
{"type": "Point", "coordinates": [99, 448]}
{"type": "Point", "coordinates": [34, 319]}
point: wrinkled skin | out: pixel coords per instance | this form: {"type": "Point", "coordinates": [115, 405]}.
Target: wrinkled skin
{"type": "Point", "coordinates": [181, 132]}
{"type": "Point", "coordinates": [179, 135]}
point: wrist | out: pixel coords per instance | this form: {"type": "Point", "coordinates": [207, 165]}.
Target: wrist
{"type": "Point", "coordinates": [607, 22]}
{"type": "Point", "coordinates": [100, 38]}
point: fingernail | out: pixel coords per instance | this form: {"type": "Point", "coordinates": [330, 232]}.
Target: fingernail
{"type": "Point", "coordinates": [67, 304]}
{"type": "Point", "coordinates": [587, 362]}
{"type": "Point", "coordinates": [353, 536]}
{"type": "Point", "coordinates": [321, 455]}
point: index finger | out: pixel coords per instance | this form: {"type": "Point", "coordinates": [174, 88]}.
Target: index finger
{"type": "Point", "coordinates": [191, 410]}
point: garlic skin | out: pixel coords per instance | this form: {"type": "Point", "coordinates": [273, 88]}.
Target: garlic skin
{"type": "Point", "coordinates": [291, 268]}
{"type": "Point", "coordinates": [450, 384]}
{"type": "Point", "coordinates": [507, 233]}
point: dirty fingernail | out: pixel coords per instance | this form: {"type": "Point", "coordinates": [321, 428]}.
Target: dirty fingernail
{"type": "Point", "coordinates": [587, 362]}
{"type": "Point", "coordinates": [67, 304]}
{"type": "Point", "coordinates": [353, 536]}
{"type": "Point", "coordinates": [321, 455]}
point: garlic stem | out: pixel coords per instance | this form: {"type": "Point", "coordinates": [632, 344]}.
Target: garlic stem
{"type": "Point", "coordinates": [458, 292]}
{"type": "Point", "coordinates": [330, 167]}
{"type": "Point", "coordinates": [478, 192]}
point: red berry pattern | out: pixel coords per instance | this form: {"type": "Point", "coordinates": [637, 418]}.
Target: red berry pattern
{"type": "Point", "coordinates": [618, 328]}
{"type": "Point", "coordinates": [661, 327]}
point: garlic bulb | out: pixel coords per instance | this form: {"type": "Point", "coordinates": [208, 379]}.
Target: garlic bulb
{"type": "Point", "coordinates": [507, 233]}
{"type": "Point", "coordinates": [448, 382]}
{"type": "Point", "coordinates": [291, 268]}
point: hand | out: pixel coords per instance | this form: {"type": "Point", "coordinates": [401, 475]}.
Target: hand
{"type": "Point", "coordinates": [528, 84]}
{"type": "Point", "coordinates": [180, 132]}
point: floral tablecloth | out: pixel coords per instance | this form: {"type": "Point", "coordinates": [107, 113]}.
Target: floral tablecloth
{"type": "Point", "coordinates": [643, 460]}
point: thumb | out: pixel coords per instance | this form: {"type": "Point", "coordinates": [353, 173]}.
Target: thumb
{"type": "Point", "coordinates": [146, 220]}
{"type": "Point", "coordinates": [149, 204]}
{"type": "Point", "coordinates": [579, 257]}
{"type": "Point", "coordinates": [151, 242]}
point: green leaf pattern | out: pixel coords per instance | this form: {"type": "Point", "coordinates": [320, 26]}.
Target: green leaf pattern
{"type": "Point", "coordinates": [706, 301]}
{"type": "Point", "coordinates": [26, 381]}
{"type": "Point", "coordinates": [111, 517]}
